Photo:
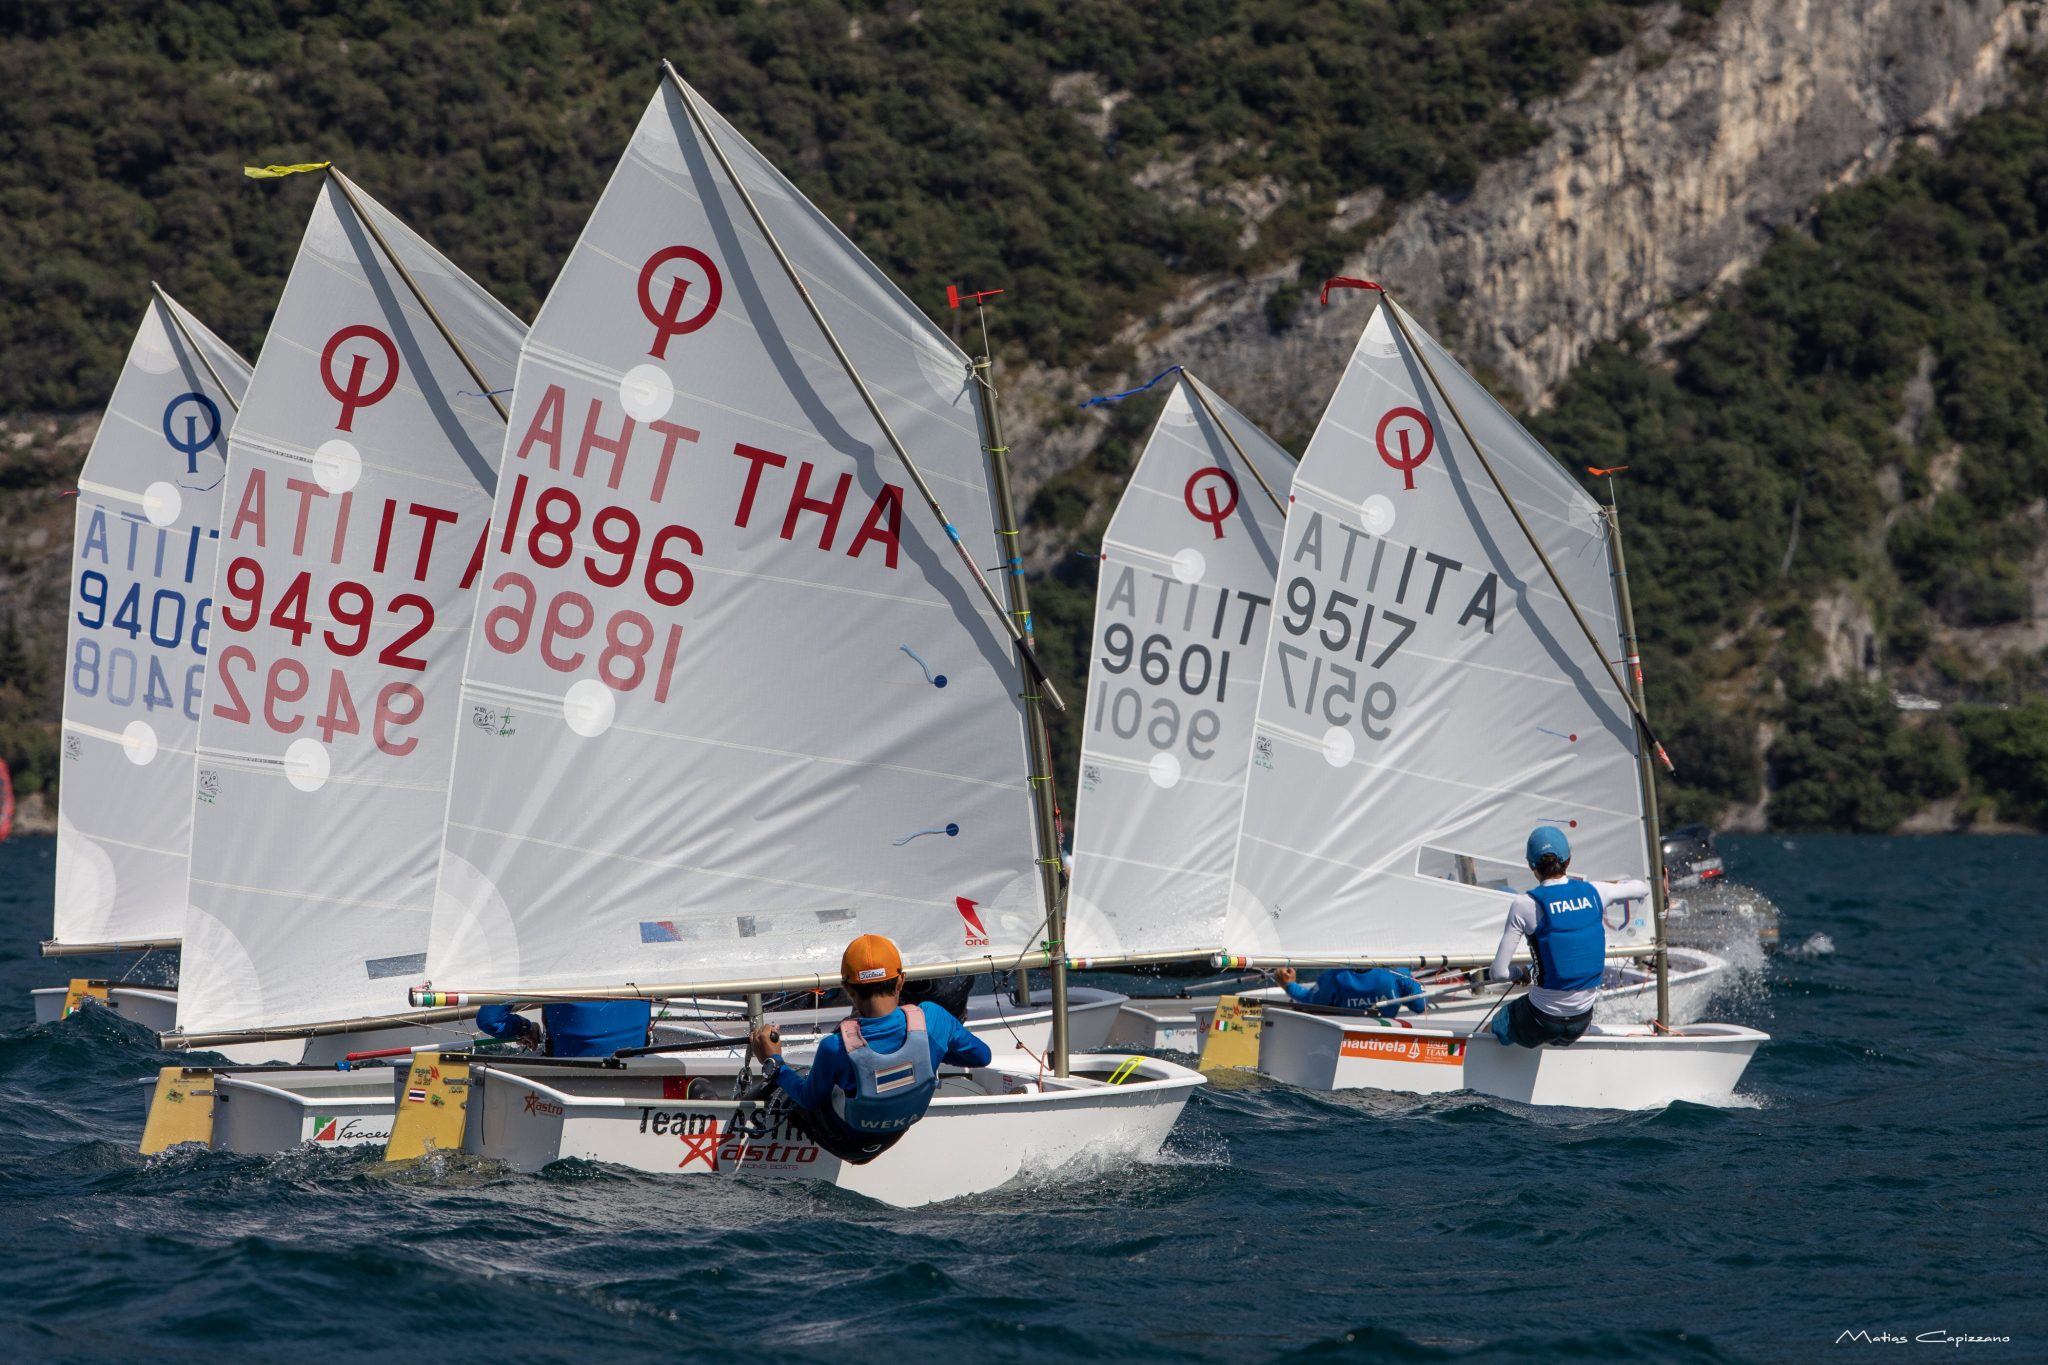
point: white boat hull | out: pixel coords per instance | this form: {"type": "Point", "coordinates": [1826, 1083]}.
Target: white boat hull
{"type": "Point", "coordinates": [985, 1128]}
{"type": "Point", "coordinates": [256, 1113]}
{"type": "Point", "coordinates": [1161, 1025]}
{"type": "Point", "coordinates": [1617, 1067]}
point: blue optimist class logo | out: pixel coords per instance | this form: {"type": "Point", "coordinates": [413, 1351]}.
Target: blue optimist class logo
{"type": "Point", "coordinates": [191, 425]}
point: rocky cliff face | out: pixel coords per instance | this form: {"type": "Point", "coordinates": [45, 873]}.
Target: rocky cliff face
{"type": "Point", "coordinates": [1670, 166]}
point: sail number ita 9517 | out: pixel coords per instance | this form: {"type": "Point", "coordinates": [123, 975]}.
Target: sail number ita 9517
{"type": "Point", "coordinates": [547, 535]}
{"type": "Point", "coordinates": [1329, 689]}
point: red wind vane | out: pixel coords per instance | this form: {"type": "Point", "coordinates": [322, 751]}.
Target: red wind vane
{"type": "Point", "coordinates": [954, 296]}
{"type": "Point", "coordinates": [1603, 473]}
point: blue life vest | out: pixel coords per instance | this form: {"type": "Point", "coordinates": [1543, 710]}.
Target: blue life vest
{"type": "Point", "coordinates": [895, 1087]}
{"type": "Point", "coordinates": [595, 1028]}
{"type": "Point", "coordinates": [1570, 942]}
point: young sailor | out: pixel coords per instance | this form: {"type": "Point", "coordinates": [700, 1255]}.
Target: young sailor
{"type": "Point", "coordinates": [1561, 918]}
{"type": "Point", "coordinates": [1349, 990]}
{"type": "Point", "coordinates": [596, 1028]}
{"type": "Point", "coordinates": [875, 1076]}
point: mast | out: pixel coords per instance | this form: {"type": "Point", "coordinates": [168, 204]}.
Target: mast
{"type": "Point", "coordinates": [1632, 665]}
{"type": "Point", "coordinates": [1044, 811]}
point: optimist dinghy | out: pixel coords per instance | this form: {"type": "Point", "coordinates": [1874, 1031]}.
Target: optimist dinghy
{"type": "Point", "coordinates": [986, 1126]}
{"type": "Point", "coordinates": [1182, 607]}
{"type": "Point", "coordinates": [358, 487]}
{"type": "Point", "coordinates": [1439, 679]}
{"type": "Point", "coordinates": [147, 525]}
{"type": "Point", "coordinates": [809, 718]}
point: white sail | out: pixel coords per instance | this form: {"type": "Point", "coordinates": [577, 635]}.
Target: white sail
{"type": "Point", "coordinates": [142, 619]}
{"type": "Point", "coordinates": [362, 470]}
{"type": "Point", "coordinates": [1427, 698]}
{"type": "Point", "coordinates": [1181, 611]}
{"type": "Point", "coordinates": [746, 703]}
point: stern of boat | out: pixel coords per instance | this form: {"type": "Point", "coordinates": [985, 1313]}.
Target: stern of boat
{"type": "Point", "coordinates": [1618, 1068]}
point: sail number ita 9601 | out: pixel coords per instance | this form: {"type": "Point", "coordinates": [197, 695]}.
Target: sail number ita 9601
{"type": "Point", "coordinates": [1195, 669]}
{"type": "Point", "coordinates": [547, 535]}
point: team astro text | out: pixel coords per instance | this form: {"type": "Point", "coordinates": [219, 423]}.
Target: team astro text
{"type": "Point", "coordinates": [745, 1138]}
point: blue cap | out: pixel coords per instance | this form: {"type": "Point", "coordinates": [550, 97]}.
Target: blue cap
{"type": "Point", "coordinates": [1548, 839]}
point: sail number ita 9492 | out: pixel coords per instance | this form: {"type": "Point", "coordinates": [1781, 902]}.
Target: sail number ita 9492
{"type": "Point", "coordinates": [565, 629]}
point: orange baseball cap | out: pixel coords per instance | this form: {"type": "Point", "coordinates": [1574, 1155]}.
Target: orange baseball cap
{"type": "Point", "coordinates": [869, 959]}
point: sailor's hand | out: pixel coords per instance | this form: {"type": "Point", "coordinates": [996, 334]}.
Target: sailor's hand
{"type": "Point", "coordinates": [1283, 976]}
{"type": "Point", "coordinates": [767, 1042]}
{"type": "Point", "coordinates": [529, 1039]}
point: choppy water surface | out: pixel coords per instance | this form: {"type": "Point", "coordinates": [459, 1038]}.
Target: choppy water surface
{"type": "Point", "coordinates": [1885, 1175]}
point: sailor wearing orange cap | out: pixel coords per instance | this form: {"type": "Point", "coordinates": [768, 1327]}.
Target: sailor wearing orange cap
{"type": "Point", "coordinates": [875, 1076]}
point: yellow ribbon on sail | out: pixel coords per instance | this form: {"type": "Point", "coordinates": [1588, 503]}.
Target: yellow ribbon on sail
{"type": "Point", "coordinates": [279, 172]}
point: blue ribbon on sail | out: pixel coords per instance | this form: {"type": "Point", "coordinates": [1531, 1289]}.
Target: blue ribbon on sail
{"type": "Point", "coordinates": [1103, 399]}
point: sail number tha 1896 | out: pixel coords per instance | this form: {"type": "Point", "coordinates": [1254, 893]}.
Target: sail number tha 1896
{"type": "Point", "coordinates": [613, 553]}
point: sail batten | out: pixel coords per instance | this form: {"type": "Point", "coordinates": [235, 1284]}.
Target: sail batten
{"type": "Point", "coordinates": [147, 523]}
{"type": "Point", "coordinates": [1426, 696]}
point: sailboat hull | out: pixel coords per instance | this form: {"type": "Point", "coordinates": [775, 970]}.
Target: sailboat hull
{"type": "Point", "coordinates": [1619, 1067]}
{"type": "Point", "coordinates": [259, 1113]}
{"type": "Point", "coordinates": [986, 1127]}
{"type": "Point", "coordinates": [153, 1007]}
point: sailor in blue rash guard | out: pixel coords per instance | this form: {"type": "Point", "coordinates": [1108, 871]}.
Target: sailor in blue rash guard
{"type": "Point", "coordinates": [596, 1028]}
{"type": "Point", "coordinates": [1560, 917]}
{"type": "Point", "coordinates": [871, 1080]}
{"type": "Point", "coordinates": [1350, 990]}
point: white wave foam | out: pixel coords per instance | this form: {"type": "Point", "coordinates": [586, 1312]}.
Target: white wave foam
{"type": "Point", "coordinates": [1816, 945]}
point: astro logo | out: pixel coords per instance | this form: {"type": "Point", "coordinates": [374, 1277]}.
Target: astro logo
{"type": "Point", "coordinates": [536, 1105]}
{"type": "Point", "coordinates": [977, 936]}
{"type": "Point", "coordinates": [663, 302]}
{"type": "Point", "coordinates": [700, 1147]}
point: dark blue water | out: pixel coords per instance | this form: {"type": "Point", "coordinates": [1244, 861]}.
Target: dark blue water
{"type": "Point", "coordinates": [1886, 1176]}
